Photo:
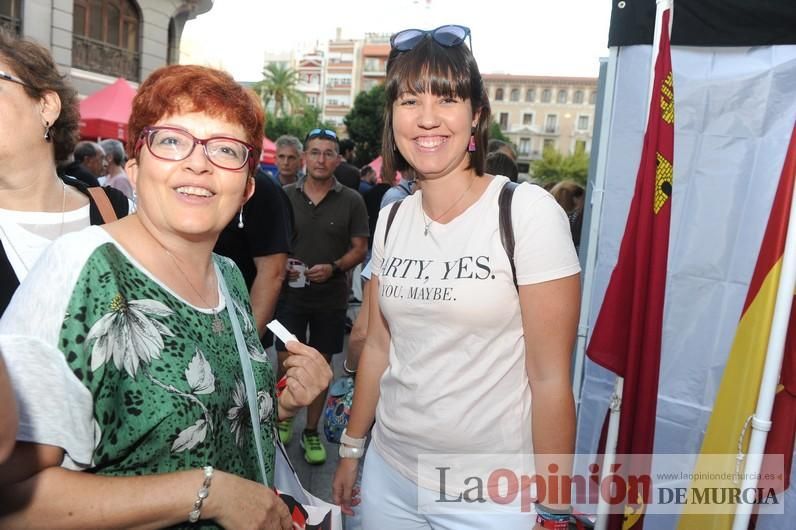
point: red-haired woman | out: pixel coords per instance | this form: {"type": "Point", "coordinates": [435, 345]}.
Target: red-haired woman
{"type": "Point", "coordinates": [120, 345]}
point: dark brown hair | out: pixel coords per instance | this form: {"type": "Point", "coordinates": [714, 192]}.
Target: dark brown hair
{"type": "Point", "coordinates": [430, 67]}
{"type": "Point", "coordinates": [34, 65]}
{"type": "Point", "coordinates": [176, 89]}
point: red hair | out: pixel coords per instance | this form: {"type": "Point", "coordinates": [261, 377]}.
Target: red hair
{"type": "Point", "coordinates": [177, 89]}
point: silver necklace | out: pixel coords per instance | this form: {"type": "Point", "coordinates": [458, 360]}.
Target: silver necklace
{"type": "Point", "coordinates": [60, 231]}
{"type": "Point", "coordinates": [427, 220]}
{"type": "Point", "coordinates": [218, 324]}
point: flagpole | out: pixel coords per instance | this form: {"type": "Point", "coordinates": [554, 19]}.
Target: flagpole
{"type": "Point", "coordinates": [598, 192]}
{"type": "Point", "coordinates": [761, 421]}
{"type": "Point", "coordinates": [612, 435]}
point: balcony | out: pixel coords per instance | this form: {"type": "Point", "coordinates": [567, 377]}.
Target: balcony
{"type": "Point", "coordinates": [104, 58]}
{"type": "Point", "coordinates": [12, 25]}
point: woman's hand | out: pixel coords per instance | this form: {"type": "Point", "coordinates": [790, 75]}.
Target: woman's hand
{"type": "Point", "coordinates": [343, 491]}
{"type": "Point", "coordinates": [235, 502]}
{"type": "Point", "coordinates": [308, 374]}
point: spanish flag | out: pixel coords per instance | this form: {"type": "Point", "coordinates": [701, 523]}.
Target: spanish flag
{"type": "Point", "coordinates": [740, 385]}
{"type": "Point", "coordinates": [627, 333]}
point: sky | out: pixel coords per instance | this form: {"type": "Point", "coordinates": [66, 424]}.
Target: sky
{"type": "Point", "coordinates": [521, 37]}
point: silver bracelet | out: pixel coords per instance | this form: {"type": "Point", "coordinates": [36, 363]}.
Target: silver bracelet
{"type": "Point", "coordinates": [346, 369]}
{"type": "Point", "coordinates": [201, 495]}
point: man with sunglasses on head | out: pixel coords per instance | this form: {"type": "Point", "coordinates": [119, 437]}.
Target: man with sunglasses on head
{"type": "Point", "coordinates": [330, 237]}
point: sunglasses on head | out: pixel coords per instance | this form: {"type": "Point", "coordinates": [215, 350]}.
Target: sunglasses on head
{"type": "Point", "coordinates": [450, 36]}
{"type": "Point", "coordinates": [321, 133]}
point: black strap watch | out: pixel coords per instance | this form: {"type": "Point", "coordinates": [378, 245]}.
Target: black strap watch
{"type": "Point", "coordinates": [336, 268]}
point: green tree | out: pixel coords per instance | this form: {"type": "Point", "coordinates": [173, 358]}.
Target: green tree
{"type": "Point", "coordinates": [495, 133]}
{"type": "Point", "coordinates": [555, 167]}
{"type": "Point", "coordinates": [365, 123]}
{"type": "Point", "coordinates": [297, 124]}
{"type": "Point", "coordinates": [279, 84]}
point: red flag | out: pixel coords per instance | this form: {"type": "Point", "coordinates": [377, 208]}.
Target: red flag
{"type": "Point", "coordinates": [627, 334]}
{"type": "Point", "coordinates": [782, 436]}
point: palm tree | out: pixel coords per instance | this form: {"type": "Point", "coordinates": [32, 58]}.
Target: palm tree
{"type": "Point", "coordinates": [279, 83]}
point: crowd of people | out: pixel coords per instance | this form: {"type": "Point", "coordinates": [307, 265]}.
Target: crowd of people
{"type": "Point", "coordinates": [128, 271]}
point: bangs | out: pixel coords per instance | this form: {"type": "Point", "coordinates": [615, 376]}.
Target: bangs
{"type": "Point", "coordinates": [430, 68]}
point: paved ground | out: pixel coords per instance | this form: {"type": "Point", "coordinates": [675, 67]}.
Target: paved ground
{"type": "Point", "coordinates": [316, 479]}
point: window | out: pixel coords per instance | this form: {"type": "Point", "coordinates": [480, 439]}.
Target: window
{"type": "Point", "coordinates": [515, 94]}
{"type": "Point", "coordinates": [583, 123]}
{"type": "Point", "coordinates": [372, 64]}
{"type": "Point", "coordinates": [527, 118]}
{"type": "Point", "coordinates": [339, 80]}
{"type": "Point", "coordinates": [530, 95]}
{"type": "Point", "coordinates": [580, 146]}
{"type": "Point", "coordinates": [11, 15]}
{"type": "Point", "coordinates": [546, 95]}
{"type": "Point", "coordinates": [593, 98]}
{"type": "Point", "coordinates": [525, 146]}
{"type": "Point", "coordinates": [312, 100]}
{"type": "Point", "coordinates": [549, 143]}
{"type": "Point", "coordinates": [562, 96]}
{"type": "Point", "coordinates": [105, 37]}
{"type": "Point", "coordinates": [578, 97]}
{"type": "Point", "coordinates": [498, 94]}
{"type": "Point", "coordinates": [551, 123]}
{"type": "Point", "coordinates": [504, 121]}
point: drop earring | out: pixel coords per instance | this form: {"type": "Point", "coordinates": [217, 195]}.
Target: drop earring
{"type": "Point", "coordinates": [240, 218]}
{"type": "Point", "coordinates": [47, 136]}
{"type": "Point", "coordinates": [471, 145]}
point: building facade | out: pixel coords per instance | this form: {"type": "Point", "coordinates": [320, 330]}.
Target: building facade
{"type": "Point", "coordinates": [96, 41]}
{"type": "Point", "coordinates": [537, 112]}
{"type": "Point", "coordinates": [339, 79]}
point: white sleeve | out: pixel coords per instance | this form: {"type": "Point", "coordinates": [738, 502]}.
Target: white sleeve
{"type": "Point", "coordinates": [377, 249]}
{"type": "Point", "coordinates": [543, 248]}
{"type": "Point", "coordinates": [55, 408]}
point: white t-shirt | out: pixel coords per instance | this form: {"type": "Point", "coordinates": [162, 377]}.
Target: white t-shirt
{"type": "Point", "coordinates": [456, 379]}
{"type": "Point", "coordinates": [25, 235]}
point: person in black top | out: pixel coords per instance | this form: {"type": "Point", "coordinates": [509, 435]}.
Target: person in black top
{"type": "Point", "coordinates": [347, 173]}
{"type": "Point", "coordinates": [89, 164]}
{"type": "Point", "coordinates": [260, 247]}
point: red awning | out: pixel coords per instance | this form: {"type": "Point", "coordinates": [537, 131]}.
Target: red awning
{"type": "Point", "coordinates": [104, 113]}
{"type": "Point", "coordinates": [269, 152]}
{"type": "Point", "coordinates": [376, 165]}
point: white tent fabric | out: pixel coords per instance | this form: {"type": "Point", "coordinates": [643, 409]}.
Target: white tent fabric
{"type": "Point", "coordinates": [734, 113]}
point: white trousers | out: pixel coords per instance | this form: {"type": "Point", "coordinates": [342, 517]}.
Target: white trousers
{"type": "Point", "coordinates": [390, 501]}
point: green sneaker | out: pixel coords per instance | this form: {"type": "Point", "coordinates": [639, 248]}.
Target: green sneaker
{"type": "Point", "coordinates": [314, 451]}
{"type": "Point", "coordinates": [285, 429]}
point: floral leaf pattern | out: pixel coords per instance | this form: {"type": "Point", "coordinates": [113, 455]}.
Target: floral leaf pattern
{"type": "Point", "coordinates": [265, 405]}
{"type": "Point", "coordinates": [190, 437]}
{"type": "Point", "coordinates": [127, 335]}
{"type": "Point", "coordinates": [168, 393]}
{"type": "Point", "coordinates": [239, 412]}
{"type": "Point", "coordinates": [199, 375]}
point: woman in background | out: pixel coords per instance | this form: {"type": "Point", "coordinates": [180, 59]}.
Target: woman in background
{"type": "Point", "coordinates": [38, 126]}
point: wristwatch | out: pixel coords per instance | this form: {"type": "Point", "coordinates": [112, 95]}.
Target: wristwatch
{"type": "Point", "coordinates": [351, 447]}
{"type": "Point", "coordinates": [336, 268]}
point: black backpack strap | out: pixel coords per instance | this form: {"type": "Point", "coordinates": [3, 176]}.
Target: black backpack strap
{"type": "Point", "coordinates": [506, 226]}
{"type": "Point", "coordinates": [391, 218]}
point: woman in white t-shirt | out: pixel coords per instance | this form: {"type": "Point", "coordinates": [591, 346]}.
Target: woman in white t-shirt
{"type": "Point", "coordinates": [38, 126]}
{"type": "Point", "coordinates": [455, 350]}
